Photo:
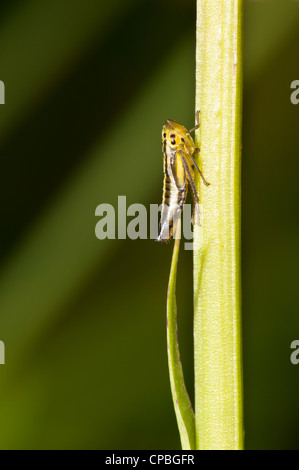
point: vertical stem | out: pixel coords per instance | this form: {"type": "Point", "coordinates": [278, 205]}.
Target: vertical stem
{"type": "Point", "coordinates": [217, 324]}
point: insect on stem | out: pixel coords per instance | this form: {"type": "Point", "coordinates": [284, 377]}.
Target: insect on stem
{"type": "Point", "coordinates": [178, 149]}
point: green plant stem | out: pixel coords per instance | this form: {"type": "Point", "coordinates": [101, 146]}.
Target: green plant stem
{"type": "Point", "coordinates": [182, 405]}
{"type": "Point", "coordinates": [217, 324]}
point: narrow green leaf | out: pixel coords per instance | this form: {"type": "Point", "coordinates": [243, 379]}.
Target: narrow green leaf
{"type": "Point", "coordinates": [182, 405]}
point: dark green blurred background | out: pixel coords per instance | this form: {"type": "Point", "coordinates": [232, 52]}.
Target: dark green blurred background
{"type": "Point", "coordinates": [88, 87]}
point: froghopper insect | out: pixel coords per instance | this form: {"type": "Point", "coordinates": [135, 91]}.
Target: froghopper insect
{"type": "Point", "coordinates": [178, 166]}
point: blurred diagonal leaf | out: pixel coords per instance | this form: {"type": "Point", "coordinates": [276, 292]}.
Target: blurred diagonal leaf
{"type": "Point", "coordinates": [61, 250]}
{"type": "Point", "coordinates": [38, 47]}
{"type": "Point", "coordinates": [76, 112]}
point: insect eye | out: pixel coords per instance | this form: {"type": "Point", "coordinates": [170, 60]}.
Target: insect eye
{"type": "Point", "coordinates": [183, 140]}
{"type": "Point", "coordinates": [164, 135]}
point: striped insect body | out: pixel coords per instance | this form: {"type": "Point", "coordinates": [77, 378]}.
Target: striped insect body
{"type": "Point", "coordinates": [178, 150]}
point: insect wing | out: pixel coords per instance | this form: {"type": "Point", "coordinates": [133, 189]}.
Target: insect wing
{"type": "Point", "coordinates": [176, 170]}
{"type": "Point", "coordinates": [174, 194]}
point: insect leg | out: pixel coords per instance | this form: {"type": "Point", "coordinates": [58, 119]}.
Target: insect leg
{"type": "Point", "coordinates": [193, 188]}
{"type": "Point", "coordinates": [197, 123]}
{"type": "Point", "coordinates": [190, 179]}
{"type": "Point", "coordinates": [202, 176]}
